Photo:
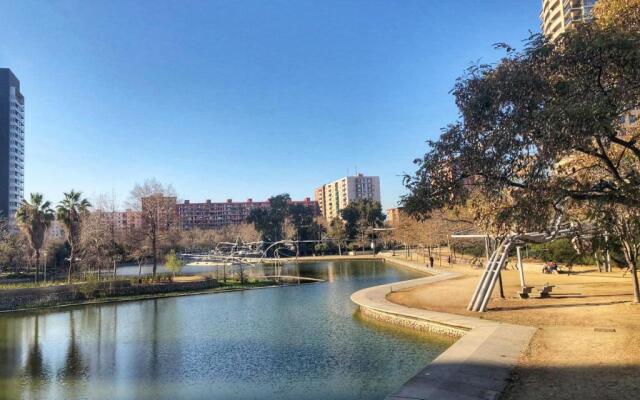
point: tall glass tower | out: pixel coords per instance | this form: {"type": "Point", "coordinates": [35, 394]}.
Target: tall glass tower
{"type": "Point", "coordinates": [11, 144]}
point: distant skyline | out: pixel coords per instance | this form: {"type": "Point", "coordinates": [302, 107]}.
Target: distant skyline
{"type": "Point", "coordinates": [242, 99]}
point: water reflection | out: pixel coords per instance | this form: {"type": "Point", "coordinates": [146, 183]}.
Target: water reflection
{"type": "Point", "coordinates": [287, 343]}
{"type": "Point", "coordinates": [331, 271]}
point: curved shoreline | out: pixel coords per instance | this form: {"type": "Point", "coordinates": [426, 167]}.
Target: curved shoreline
{"type": "Point", "coordinates": [477, 366]}
{"type": "Point", "coordinates": [151, 296]}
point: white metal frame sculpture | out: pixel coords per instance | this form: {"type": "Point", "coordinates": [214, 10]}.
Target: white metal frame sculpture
{"type": "Point", "coordinates": [482, 294]}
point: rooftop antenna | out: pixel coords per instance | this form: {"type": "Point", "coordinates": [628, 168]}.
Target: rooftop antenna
{"type": "Point", "coordinates": [356, 170]}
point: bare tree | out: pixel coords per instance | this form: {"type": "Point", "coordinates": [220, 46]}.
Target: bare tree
{"type": "Point", "coordinates": [156, 203]}
{"type": "Point", "coordinates": [14, 248]}
{"type": "Point", "coordinates": [96, 241]}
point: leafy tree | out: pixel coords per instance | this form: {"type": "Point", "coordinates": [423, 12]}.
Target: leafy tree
{"type": "Point", "coordinates": [321, 248]}
{"type": "Point", "coordinates": [270, 221]}
{"type": "Point", "coordinates": [173, 263]}
{"type": "Point", "coordinates": [338, 233]}
{"type": "Point", "coordinates": [619, 14]}
{"type": "Point", "coordinates": [304, 226]}
{"type": "Point", "coordinates": [560, 250]}
{"type": "Point", "coordinates": [70, 212]}
{"type": "Point", "coordinates": [285, 220]}
{"type": "Point", "coordinates": [540, 138]}
{"type": "Point", "coordinates": [34, 218]}
{"type": "Point", "coordinates": [359, 216]}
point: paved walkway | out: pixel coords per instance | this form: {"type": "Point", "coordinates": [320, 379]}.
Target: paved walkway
{"type": "Point", "coordinates": [477, 366]}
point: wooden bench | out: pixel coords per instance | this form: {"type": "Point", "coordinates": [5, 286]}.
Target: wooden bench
{"type": "Point", "coordinates": [546, 290]}
{"type": "Point", "coordinates": [524, 292]}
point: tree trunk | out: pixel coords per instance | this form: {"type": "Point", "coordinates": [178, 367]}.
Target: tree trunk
{"type": "Point", "coordinates": [155, 257]}
{"type": "Point", "coordinates": [632, 261]}
{"type": "Point", "coordinates": [37, 264]}
{"type": "Point", "coordinates": [595, 257]}
{"type": "Point", "coordinates": [636, 288]}
{"type": "Point", "coordinates": [70, 264]}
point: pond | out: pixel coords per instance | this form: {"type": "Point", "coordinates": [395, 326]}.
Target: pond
{"type": "Point", "coordinates": [292, 342]}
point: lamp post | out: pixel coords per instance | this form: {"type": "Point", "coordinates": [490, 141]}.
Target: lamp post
{"type": "Point", "coordinates": [116, 258]}
{"type": "Point", "coordinates": [45, 266]}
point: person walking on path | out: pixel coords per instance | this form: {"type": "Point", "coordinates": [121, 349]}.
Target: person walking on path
{"type": "Point", "coordinates": [431, 261]}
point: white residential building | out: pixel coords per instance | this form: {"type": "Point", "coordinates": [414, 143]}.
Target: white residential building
{"type": "Point", "coordinates": [335, 196]}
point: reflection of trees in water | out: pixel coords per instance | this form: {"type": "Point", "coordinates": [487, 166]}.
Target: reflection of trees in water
{"type": "Point", "coordinates": [154, 341]}
{"type": "Point", "coordinates": [34, 367]}
{"type": "Point", "coordinates": [147, 364]}
{"type": "Point", "coordinates": [74, 364]}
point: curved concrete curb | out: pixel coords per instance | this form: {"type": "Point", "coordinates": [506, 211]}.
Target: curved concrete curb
{"type": "Point", "coordinates": [477, 366]}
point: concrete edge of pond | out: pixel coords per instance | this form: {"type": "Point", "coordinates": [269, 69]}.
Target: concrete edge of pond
{"type": "Point", "coordinates": [476, 366]}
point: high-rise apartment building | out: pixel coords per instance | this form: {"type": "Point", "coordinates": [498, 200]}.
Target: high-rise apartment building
{"type": "Point", "coordinates": [558, 15]}
{"type": "Point", "coordinates": [335, 196]}
{"type": "Point", "coordinates": [11, 144]}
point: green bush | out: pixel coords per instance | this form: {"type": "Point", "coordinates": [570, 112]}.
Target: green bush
{"type": "Point", "coordinates": [321, 248]}
{"type": "Point", "coordinates": [469, 248]}
{"type": "Point", "coordinates": [560, 250]}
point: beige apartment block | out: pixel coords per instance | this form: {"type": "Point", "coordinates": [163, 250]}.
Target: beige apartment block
{"type": "Point", "coordinates": [393, 216]}
{"type": "Point", "coordinates": [558, 15]}
{"type": "Point", "coordinates": [335, 196]}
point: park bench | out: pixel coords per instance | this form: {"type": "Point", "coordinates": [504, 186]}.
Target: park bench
{"type": "Point", "coordinates": [524, 292]}
{"type": "Point", "coordinates": [546, 290]}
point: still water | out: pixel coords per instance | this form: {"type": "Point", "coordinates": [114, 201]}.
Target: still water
{"type": "Point", "coordinates": [297, 342]}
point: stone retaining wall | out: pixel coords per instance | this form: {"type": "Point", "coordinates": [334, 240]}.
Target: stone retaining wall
{"type": "Point", "coordinates": [414, 323]}
{"type": "Point", "coordinates": [16, 299]}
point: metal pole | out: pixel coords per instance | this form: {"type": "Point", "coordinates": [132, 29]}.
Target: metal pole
{"type": "Point", "coordinates": [606, 240]}
{"type": "Point", "coordinates": [520, 266]}
{"type": "Point", "coordinates": [486, 247]}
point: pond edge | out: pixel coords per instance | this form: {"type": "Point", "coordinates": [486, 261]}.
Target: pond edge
{"type": "Point", "coordinates": [477, 366]}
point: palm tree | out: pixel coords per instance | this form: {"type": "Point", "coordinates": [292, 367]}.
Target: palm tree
{"type": "Point", "coordinates": [34, 218]}
{"type": "Point", "coordinates": [70, 212]}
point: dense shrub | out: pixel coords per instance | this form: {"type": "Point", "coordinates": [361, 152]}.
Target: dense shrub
{"type": "Point", "coordinates": [469, 248]}
{"type": "Point", "coordinates": [560, 250]}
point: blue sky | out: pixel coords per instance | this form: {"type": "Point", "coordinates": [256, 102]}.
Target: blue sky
{"type": "Point", "coordinates": [238, 99]}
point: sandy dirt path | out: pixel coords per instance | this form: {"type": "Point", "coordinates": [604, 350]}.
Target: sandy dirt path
{"type": "Point", "coordinates": [588, 344]}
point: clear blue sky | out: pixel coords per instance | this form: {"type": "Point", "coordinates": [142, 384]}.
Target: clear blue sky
{"type": "Point", "coordinates": [238, 99]}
